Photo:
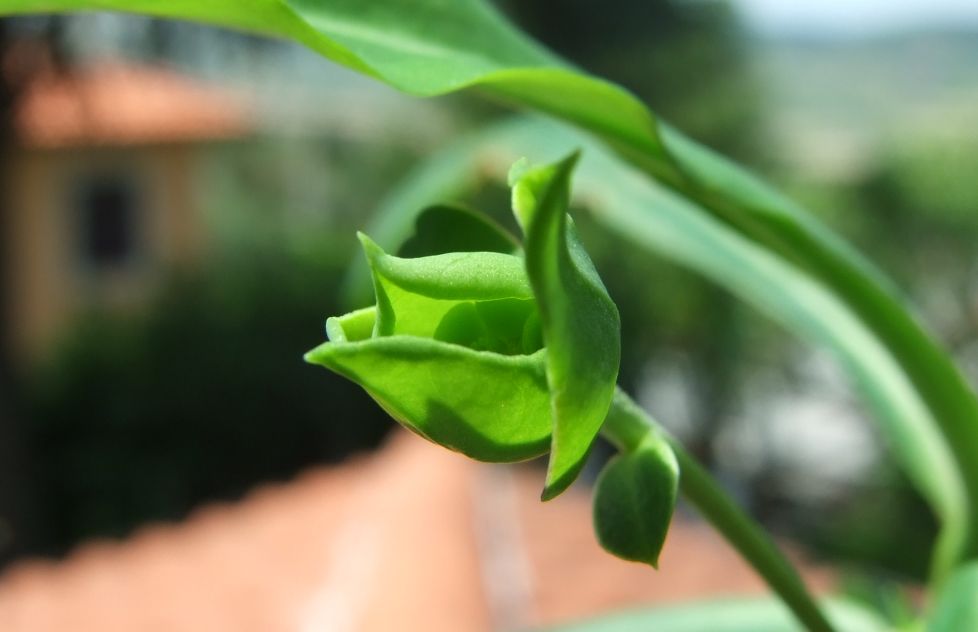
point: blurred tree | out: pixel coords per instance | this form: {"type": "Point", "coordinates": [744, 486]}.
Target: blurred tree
{"type": "Point", "coordinates": [27, 46]}
{"type": "Point", "coordinates": [15, 514]}
{"type": "Point", "coordinates": [10, 457]}
{"type": "Point", "coordinates": [142, 418]}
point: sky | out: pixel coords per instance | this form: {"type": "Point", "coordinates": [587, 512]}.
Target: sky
{"type": "Point", "coordinates": [854, 17]}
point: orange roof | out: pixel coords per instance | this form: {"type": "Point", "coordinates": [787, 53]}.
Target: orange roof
{"type": "Point", "coordinates": [112, 103]}
{"type": "Point", "coordinates": [412, 538]}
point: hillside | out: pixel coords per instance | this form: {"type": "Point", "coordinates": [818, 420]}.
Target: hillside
{"type": "Point", "coordinates": [833, 102]}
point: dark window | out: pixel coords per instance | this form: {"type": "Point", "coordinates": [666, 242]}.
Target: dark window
{"type": "Point", "coordinates": [108, 221]}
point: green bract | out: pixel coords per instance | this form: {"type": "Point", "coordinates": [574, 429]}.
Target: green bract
{"type": "Point", "coordinates": [635, 494]}
{"type": "Point", "coordinates": [492, 354]}
{"type": "Point", "coordinates": [580, 321]}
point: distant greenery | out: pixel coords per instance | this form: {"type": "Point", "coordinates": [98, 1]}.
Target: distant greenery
{"type": "Point", "coordinates": [873, 95]}
{"type": "Point", "coordinates": [688, 60]}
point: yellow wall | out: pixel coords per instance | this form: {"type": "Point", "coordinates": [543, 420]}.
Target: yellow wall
{"type": "Point", "coordinates": [50, 282]}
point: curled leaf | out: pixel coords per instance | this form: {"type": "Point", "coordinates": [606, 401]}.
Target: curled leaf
{"type": "Point", "coordinates": [415, 295]}
{"type": "Point", "coordinates": [452, 350]}
{"type": "Point", "coordinates": [454, 346]}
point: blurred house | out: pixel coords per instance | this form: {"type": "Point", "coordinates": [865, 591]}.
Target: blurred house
{"type": "Point", "coordinates": [100, 191]}
{"type": "Point", "coordinates": [410, 538]}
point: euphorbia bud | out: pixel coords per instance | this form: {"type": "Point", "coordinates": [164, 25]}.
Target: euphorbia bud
{"type": "Point", "coordinates": [498, 356]}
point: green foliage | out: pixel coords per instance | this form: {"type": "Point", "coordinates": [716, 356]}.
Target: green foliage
{"type": "Point", "coordinates": [434, 46]}
{"type": "Point", "coordinates": [655, 219]}
{"type": "Point", "coordinates": [438, 353]}
{"type": "Point", "coordinates": [468, 322]}
{"type": "Point", "coordinates": [455, 350]}
{"type": "Point", "coordinates": [436, 359]}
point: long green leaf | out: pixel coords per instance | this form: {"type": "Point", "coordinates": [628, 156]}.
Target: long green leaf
{"type": "Point", "coordinates": [731, 615]}
{"type": "Point", "coordinates": [767, 217]}
{"type": "Point", "coordinates": [654, 218]}
{"type": "Point", "coordinates": [423, 47]}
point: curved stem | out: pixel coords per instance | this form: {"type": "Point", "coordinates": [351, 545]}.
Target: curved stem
{"type": "Point", "coordinates": [627, 423]}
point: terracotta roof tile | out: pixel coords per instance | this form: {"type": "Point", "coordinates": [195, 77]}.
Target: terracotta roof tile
{"type": "Point", "coordinates": [111, 103]}
{"type": "Point", "coordinates": [695, 563]}
{"type": "Point", "coordinates": [412, 538]}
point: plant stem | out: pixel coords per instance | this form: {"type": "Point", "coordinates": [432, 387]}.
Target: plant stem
{"type": "Point", "coordinates": [627, 423]}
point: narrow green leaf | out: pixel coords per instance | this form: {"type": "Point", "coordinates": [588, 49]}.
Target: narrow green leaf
{"type": "Point", "coordinates": [488, 406]}
{"type": "Point", "coordinates": [957, 605]}
{"type": "Point", "coordinates": [580, 322]}
{"type": "Point", "coordinates": [754, 209]}
{"type": "Point", "coordinates": [634, 499]}
{"type": "Point", "coordinates": [444, 228]}
{"type": "Point", "coordinates": [452, 350]}
{"type": "Point", "coordinates": [424, 47]}
{"type": "Point", "coordinates": [729, 615]}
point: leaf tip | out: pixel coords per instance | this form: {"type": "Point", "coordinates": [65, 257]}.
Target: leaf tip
{"type": "Point", "coordinates": [558, 481]}
{"type": "Point", "coordinates": [315, 356]}
{"type": "Point", "coordinates": [571, 160]}
{"type": "Point", "coordinates": [370, 247]}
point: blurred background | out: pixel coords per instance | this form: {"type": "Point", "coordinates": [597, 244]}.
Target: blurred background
{"type": "Point", "coordinates": [179, 204]}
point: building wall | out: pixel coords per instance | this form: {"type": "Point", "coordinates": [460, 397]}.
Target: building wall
{"type": "Point", "coordinates": [53, 275]}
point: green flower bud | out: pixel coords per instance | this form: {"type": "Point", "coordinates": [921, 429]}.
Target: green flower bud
{"type": "Point", "coordinates": [499, 356]}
